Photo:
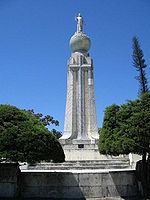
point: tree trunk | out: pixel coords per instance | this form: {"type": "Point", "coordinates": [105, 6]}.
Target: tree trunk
{"type": "Point", "coordinates": [144, 177]}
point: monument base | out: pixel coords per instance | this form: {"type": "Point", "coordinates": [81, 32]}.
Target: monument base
{"type": "Point", "coordinates": [84, 150]}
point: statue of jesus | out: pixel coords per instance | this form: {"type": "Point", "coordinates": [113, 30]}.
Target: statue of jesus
{"type": "Point", "coordinates": [79, 19]}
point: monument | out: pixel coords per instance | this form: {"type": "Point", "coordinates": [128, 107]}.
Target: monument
{"type": "Point", "coordinates": [80, 135]}
{"type": "Point", "coordinates": [80, 177]}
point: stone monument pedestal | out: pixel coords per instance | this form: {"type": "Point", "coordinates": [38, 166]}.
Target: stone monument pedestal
{"type": "Point", "coordinates": [81, 150]}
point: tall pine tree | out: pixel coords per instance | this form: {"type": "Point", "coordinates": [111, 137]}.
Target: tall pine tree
{"type": "Point", "coordinates": [139, 64]}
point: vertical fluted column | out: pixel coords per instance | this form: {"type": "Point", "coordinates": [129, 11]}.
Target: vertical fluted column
{"type": "Point", "coordinates": [83, 104]}
{"type": "Point", "coordinates": [79, 99]}
{"type": "Point", "coordinates": [69, 106]}
{"type": "Point", "coordinates": [81, 110]}
{"type": "Point", "coordinates": [92, 125]}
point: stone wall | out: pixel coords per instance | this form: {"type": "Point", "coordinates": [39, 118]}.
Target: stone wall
{"type": "Point", "coordinates": [83, 184]}
{"type": "Point", "coordinates": [9, 174]}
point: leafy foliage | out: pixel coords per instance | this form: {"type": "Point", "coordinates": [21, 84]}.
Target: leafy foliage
{"type": "Point", "coordinates": [126, 128]}
{"type": "Point", "coordinates": [24, 138]}
{"type": "Point", "coordinates": [45, 120]}
{"type": "Point", "coordinates": [56, 133]}
{"type": "Point", "coordinates": [139, 64]}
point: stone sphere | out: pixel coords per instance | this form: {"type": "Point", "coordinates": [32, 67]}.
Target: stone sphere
{"type": "Point", "coordinates": [80, 42]}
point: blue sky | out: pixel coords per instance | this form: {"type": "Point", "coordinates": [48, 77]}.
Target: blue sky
{"type": "Point", "coordinates": [34, 49]}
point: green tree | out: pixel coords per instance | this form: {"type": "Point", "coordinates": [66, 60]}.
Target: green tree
{"type": "Point", "coordinates": [46, 121]}
{"type": "Point", "coordinates": [114, 138]}
{"type": "Point", "coordinates": [126, 128]}
{"type": "Point", "coordinates": [139, 64]}
{"type": "Point", "coordinates": [24, 138]}
{"type": "Point", "coordinates": [56, 133]}
{"type": "Point", "coordinates": [108, 131]}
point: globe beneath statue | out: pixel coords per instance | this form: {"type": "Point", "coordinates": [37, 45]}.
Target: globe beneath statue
{"type": "Point", "coordinates": [80, 42]}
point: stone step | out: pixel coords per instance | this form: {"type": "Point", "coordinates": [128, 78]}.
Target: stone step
{"type": "Point", "coordinates": [79, 167]}
{"type": "Point", "coordinates": [101, 162]}
{"type": "Point", "coordinates": [98, 164]}
{"type": "Point", "coordinates": [77, 164]}
{"type": "Point", "coordinates": [90, 161]}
